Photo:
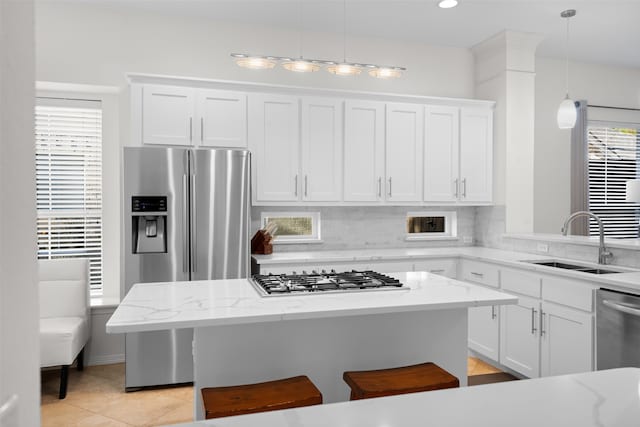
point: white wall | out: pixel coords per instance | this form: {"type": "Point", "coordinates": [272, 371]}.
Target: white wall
{"type": "Point", "coordinates": [599, 85]}
{"type": "Point", "coordinates": [19, 344]}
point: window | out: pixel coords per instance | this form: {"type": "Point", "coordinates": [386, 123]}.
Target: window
{"type": "Point", "coordinates": [293, 227]}
{"type": "Point", "coordinates": [431, 225]}
{"type": "Point", "coordinates": [613, 158]}
{"type": "Point", "coordinates": [69, 182]}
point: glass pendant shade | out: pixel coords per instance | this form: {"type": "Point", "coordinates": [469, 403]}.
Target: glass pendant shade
{"type": "Point", "coordinates": [344, 69]}
{"type": "Point", "coordinates": [301, 66]}
{"type": "Point", "coordinates": [448, 4]}
{"type": "Point", "coordinates": [385, 73]}
{"type": "Point", "coordinates": [567, 114]}
{"type": "Point", "coordinates": [256, 63]}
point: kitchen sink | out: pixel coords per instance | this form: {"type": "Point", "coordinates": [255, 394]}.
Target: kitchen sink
{"type": "Point", "coordinates": [574, 267]}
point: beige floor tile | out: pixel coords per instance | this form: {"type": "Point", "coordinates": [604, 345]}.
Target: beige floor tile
{"type": "Point", "coordinates": [184, 393]}
{"type": "Point", "coordinates": [97, 420]}
{"type": "Point", "coordinates": [478, 367]}
{"type": "Point", "coordinates": [139, 408]}
{"type": "Point", "coordinates": [182, 414]}
{"type": "Point", "coordinates": [61, 414]}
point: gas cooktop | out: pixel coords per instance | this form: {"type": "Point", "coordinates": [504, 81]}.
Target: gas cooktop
{"type": "Point", "coordinates": [322, 283]}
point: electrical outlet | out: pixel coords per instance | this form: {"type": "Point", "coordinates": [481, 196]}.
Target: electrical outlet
{"type": "Point", "coordinates": [543, 247]}
{"type": "Point", "coordinates": [467, 239]}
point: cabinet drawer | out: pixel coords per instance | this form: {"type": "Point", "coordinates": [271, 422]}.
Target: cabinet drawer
{"type": "Point", "coordinates": [521, 282]}
{"type": "Point", "coordinates": [572, 293]}
{"type": "Point", "coordinates": [480, 272]}
{"type": "Point", "coordinates": [443, 267]}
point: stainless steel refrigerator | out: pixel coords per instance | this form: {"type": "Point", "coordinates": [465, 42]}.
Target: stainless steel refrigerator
{"type": "Point", "coordinates": [186, 217]}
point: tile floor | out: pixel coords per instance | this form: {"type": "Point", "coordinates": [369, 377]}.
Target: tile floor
{"type": "Point", "coordinates": [96, 397]}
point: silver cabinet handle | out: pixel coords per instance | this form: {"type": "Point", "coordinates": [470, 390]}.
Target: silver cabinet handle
{"type": "Point", "coordinates": [190, 129]}
{"type": "Point", "coordinates": [390, 192]}
{"type": "Point", "coordinates": [305, 185]}
{"type": "Point", "coordinates": [194, 231]}
{"type": "Point", "coordinates": [533, 320]}
{"type": "Point", "coordinates": [623, 307]}
{"type": "Point", "coordinates": [185, 228]}
{"type": "Point", "coordinates": [201, 129]}
{"type": "Point", "coordinates": [542, 314]}
{"type": "Point", "coordinates": [464, 187]}
{"type": "Point", "coordinates": [493, 312]}
{"type": "Point", "coordinates": [438, 271]}
{"type": "Point", "coordinates": [473, 273]}
{"type": "Point", "coordinates": [455, 188]}
{"type": "Point", "coordinates": [295, 185]}
{"type": "Point", "coordinates": [379, 186]}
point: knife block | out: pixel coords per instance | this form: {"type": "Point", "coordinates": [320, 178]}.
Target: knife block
{"type": "Point", "coordinates": [261, 243]}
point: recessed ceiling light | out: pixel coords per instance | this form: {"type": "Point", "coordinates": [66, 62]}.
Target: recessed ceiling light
{"type": "Point", "coordinates": [448, 4]}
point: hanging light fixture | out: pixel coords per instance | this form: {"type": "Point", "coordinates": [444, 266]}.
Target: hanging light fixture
{"type": "Point", "coordinates": [447, 4]}
{"type": "Point", "coordinates": [305, 65]}
{"type": "Point", "coordinates": [567, 113]}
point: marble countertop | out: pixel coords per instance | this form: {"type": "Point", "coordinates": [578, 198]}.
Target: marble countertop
{"type": "Point", "coordinates": [629, 280]}
{"type": "Point", "coordinates": [161, 306]}
{"type": "Point", "coordinates": [594, 399]}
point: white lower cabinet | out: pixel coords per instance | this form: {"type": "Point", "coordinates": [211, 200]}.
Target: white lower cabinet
{"type": "Point", "coordinates": [441, 267]}
{"type": "Point", "coordinates": [519, 337]}
{"type": "Point", "coordinates": [484, 331]}
{"type": "Point", "coordinates": [566, 340]}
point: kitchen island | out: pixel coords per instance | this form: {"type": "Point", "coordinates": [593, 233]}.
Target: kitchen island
{"type": "Point", "coordinates": [592, 399]}
{"type": "Point", "coordinates": [241, 337]}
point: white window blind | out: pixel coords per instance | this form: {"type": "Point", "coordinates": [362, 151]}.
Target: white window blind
{"type": "Point", "coordinates": [613, 159]}
{"type": "Point", "coordinates": [69, 182]}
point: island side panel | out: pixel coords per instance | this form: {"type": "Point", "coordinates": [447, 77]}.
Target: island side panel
{"type": "Point", "coordinates": [324, 348]}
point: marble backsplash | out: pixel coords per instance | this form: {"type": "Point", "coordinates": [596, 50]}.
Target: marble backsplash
{"type": "Point", "coordinates": [369, 227]}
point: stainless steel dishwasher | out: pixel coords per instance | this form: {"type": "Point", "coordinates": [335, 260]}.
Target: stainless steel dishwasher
{"type": "Point", "coordinates": [617, 329]}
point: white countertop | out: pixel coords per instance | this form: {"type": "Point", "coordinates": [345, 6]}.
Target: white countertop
{"type": "Point", "coordinates": [594, 399]}
{"type": "Point", "coordinates": [161, 306]}
{"type": "Point", "coordinates": [628, 281]}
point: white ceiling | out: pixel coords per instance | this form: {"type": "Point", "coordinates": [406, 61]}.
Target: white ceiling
{"type": "Point", "coordinates": [603, 31]}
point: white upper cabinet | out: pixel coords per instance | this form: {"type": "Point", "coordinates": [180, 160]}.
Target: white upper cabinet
{"type": "Point", "coordinates": [363, 151]}
{"type": "Point", "coordinates": [321, 148]}
{"type": "Point", "coordinates": [274, 139]}
{"type": "Point", "coordinates": [167, 115]}
{"type": "Point", "coordinates": [441, 154]}
{"type": "Point", "coordinates": [476, 155]}
{"type": "Point", "coordinates": [222, 118]}
{"type": "Point", "coordinates": [403, 149]}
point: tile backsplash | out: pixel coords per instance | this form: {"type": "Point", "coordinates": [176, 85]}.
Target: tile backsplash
{"type": "Point", "coordinates": [369, 227]}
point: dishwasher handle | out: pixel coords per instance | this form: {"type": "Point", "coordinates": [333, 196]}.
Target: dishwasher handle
{"type": "Point", "coordinates": [623, 307]}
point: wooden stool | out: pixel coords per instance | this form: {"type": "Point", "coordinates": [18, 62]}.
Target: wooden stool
{"type": "Point", "coordinates": [406, 379]}
{"type": "Point", "coordinates": [268, 396]}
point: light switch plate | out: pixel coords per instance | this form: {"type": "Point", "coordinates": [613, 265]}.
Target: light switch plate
{"type": "Point", "coordinates": [543, 247]}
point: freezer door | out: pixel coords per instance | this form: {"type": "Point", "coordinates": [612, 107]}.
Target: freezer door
{"type": "Point", "coordinates": [154, 172]}
{"type": "Point", "coordinates": [220, 198]}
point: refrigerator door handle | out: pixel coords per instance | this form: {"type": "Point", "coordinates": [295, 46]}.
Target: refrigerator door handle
{"type": "Point", "coordinates": [185, 227]}
{"type": "Point", "coordinates": [193, 223]}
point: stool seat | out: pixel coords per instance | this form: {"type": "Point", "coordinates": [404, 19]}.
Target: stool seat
{"type": "Point", "coordinates": [261, 397]}
{"type": "Point", "coordinates": [406, 379]}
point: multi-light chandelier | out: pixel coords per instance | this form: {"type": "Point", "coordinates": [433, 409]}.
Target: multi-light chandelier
{"type": "Point", "coordinates": [305, 65]}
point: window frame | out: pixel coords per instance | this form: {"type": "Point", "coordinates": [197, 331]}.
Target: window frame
{"type": "Point", "coordinates": [314, 237]}
{"type": "Point", "coordinates": [450, 226]}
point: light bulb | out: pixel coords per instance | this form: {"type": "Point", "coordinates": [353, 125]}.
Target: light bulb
{"type": "Point", "coordinates": [385, 73]}
{"type": "Point", "coordinates": [301, 66]}
{"type": "Point", "coordinates": [344, 69]}
{"type": "Point", "coordinates": [255, 62]}
{"type": "Point", "coordinates": [448, 4]}
{"type": "Point", "coordinates": [567, 114]}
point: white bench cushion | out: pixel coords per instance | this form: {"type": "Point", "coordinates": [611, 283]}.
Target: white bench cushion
{"type": "Point", "coordinates": [61, 298]}
{"type": "Point", "coordinates": [61, 339]}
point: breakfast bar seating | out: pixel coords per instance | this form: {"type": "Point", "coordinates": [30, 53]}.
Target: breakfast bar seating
{"type": "Point", "coordinates": [285, 393]}
{"type": "Point", "coordinates": [402, 380]}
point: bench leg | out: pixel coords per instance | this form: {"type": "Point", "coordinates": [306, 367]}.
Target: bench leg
{"type": "Point", "coordinates": [80, 360]}
{"type": "Point", "coordinates": [64, 376]}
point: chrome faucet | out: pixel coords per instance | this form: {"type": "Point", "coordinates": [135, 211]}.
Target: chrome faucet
{"type": "Point", "coordinates": [603, 252]}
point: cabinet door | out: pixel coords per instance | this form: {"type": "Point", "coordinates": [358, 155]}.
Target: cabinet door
{"type": "Point", "coordinates": [566, 340]}
{"type": "Point", "coordinates": [321, 149]}
{"type": "Point", "coordinates": [404, 148]}
{"type": "Point", "coordinates": [476, 155]}
{"type": "Point", "coordinates": [167, 115]}
{"type": "Point", "coordinates": [274, 140]}
{"type": "Point", "coordinates": [484, 331]}
{"type": "Point", "coordinates": [441, 161]}
{"type": "Point", "coordinates": [363, 151]}
{"type": "Point", "coordinates": [222, 118]}
{"type": "Point", "coordinates": [519, 337]}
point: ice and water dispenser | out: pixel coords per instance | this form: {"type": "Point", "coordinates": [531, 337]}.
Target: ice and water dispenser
{"type": "Point", "coordinates": [149, 224]}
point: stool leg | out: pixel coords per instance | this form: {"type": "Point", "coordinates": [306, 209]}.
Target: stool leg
{"type": "Point", "coordinates": [80, 360]}
{"type": "Point", "coordinates": [64, 375]}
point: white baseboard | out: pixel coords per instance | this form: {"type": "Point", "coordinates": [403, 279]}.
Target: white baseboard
{"type": "Point", "coordinates": [106, 359]}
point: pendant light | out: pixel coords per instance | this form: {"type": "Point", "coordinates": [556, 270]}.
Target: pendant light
{"type": "Point", "coordinates": [300, 65]}
{"type": "Point", "coordinates": [344, 68]}
{"type": "Point", "coordinates": [447, 4]}
{"type": "Point", "coordinates": [254, 62]}
{"type": "Point", "coordinates": [567, 113]}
